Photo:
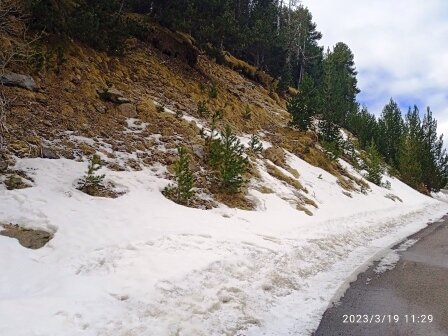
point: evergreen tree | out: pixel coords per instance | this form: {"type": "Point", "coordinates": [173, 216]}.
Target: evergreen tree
{"type": "Point", "coordinates": [390, 132]}
{"type": "Point", "coordinates": [255, 144]}
{"type": "Point", "coordinates": [330, 132]}
{"type": "Point", "coordinates": [364, 125]}
{"type": "Point", "coordinates": [434, 158]}
{"type": "Point", "coordinates": [409, 161]}
{"type": "Point", "coordinates": [184, 178]}
{"type": "Point", "coordinates": [374, 165]}
{"type": "Point", "coordinates": [340, 85]}
{"type": "Point", "coordinates": [304, 105]}
{"type": "Point", "coordinates": [227, 159]}
{"type": "Point", "coordinates": [92, 181]}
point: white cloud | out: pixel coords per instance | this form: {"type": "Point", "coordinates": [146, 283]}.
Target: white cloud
{"type": "Point", "coordinates": [400, 49]}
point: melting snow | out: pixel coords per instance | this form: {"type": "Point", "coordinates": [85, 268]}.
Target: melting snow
{"type": "Point", "coordinates": [143, 265]}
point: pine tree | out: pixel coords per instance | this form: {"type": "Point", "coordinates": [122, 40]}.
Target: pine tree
{"type": "Point", "coordinates": [391, 129]}
{"type": "Point", "coordinates": [255, 144]}
{"type": "Point", "coordinates": [330, 133]}
{"type": "Point", "coordinates": [409, 161]}
{"type": "Point", "coordinates": [340, 85]}
{"type": "Point", "coordinates": [374, 165]}
{"type": "Point", "coordinates": [304, 105]}
{"type": "Point", "coordinates": [184, 177]}
{"type": "Point", "coordinates": [91, 181]}
{"type": "Point", "coordinates": [434, 158]}
{"type": "Point", "coordinates": [227, 159]}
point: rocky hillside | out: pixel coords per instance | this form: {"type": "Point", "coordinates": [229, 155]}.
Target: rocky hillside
{"type": "Point", "coordinates": [136, 109]}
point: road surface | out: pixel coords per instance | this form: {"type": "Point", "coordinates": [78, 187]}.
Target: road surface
{"type": "Point", "coordinates": [410, 299]}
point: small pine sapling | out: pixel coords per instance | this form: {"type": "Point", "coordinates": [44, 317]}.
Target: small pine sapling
{"type": "Point", "coordinates": [247, 114]}
{"type": "Point", "coordinates": [255, 145]}
{"type": "Point", "coordinates": [216, 117]}
{"type": "Point", "coordinates": [184, 191]}
{"type": "Point", "coordinates": [203, 109]}
{"type": "Point", "coordinates": [179, 114]}
{"type": "Point", "coordinates": [213, 91]}
{"type": "Point", "coordinates": [226, 157]}
{"type": "Point", "coordinates": [91, 181]}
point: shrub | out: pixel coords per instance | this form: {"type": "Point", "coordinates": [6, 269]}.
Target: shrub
{"type": "Point", "coordinates": [213, 91]}
{"type": "Point", "coordinates": [247, 114]}
{"type": "Point", "coordinates": [216, 117]}
{"type": "Point", "coordinates": [183, 192]}
{"type": "Point", "coordinates": [91, 181]}
{"type": "Point", "coordinates": [203, 109]}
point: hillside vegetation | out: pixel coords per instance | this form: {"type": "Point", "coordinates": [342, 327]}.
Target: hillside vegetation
{"type": "Point", "coordinates": [75, 111]}
{"type": "Point", "coordinates": [156, 67]}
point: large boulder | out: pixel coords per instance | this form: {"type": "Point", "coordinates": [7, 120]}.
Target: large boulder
{"type": "Point", "coordinates": [18, 80]}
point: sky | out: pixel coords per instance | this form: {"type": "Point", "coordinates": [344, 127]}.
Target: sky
{"type": "Point", "coordinates": [400, 48]}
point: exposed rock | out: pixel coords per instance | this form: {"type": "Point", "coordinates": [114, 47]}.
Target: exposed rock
{"type": "Point", "coordinates": [100, 108]}
{"type": "Point", "coordinates": [198, 151]}
{"type": "Point", "coordinates": [113, 95]}
{"type": "Point", "coordinates": [48, 153]}
{"type": "Point", "coordinates": [18, 80]}
{"type": "Point", "coordinates": [29, 238]}
{"type": "Point", "coordinates": [15, 182]}
{"type": "Point", "coordinates": [128, 110]}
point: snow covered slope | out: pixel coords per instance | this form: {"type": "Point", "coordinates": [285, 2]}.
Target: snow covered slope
{"type": "Point", "coordinates": [143, 265]}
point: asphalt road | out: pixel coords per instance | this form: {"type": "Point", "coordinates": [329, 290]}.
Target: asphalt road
{"type": "Point", "coordinates": [401, 301]}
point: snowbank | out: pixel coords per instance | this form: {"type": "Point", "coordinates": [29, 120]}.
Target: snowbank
{"type": "Point", "coordinates": [143, 265]}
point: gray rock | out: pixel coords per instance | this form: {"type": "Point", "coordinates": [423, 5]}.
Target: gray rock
{"type": "Point", "coordinates": [18, 80]}
{"type": "Point", "coordinates": [48, 153]}
{"type": "Point", "coordinates": [198, 151]}
{"type": "Point", "coordinates": [100, 108]}
{"type": "Point", "coordinates": [115, 96]}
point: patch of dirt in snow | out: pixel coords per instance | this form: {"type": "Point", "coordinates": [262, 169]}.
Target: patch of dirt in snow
{"type": "Point", "coordinates": [29, 238]}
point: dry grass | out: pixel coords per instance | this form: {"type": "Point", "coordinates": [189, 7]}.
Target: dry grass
{"type": "Point", "coordinates": [279, 175]}
{"type": "Point", "coordinates": [235, 200]}
{"type": "Point", "coordinates": [301, 207]}
{"type": "Point", "coordinates": [265, 190]}
{"type": "Point", "coordinates": [70, 101]}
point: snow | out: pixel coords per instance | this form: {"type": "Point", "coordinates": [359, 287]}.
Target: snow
{"type": "Point", "coordinates": [143, 265]}
{"type": "Point", "coordinates": [391, 259]}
